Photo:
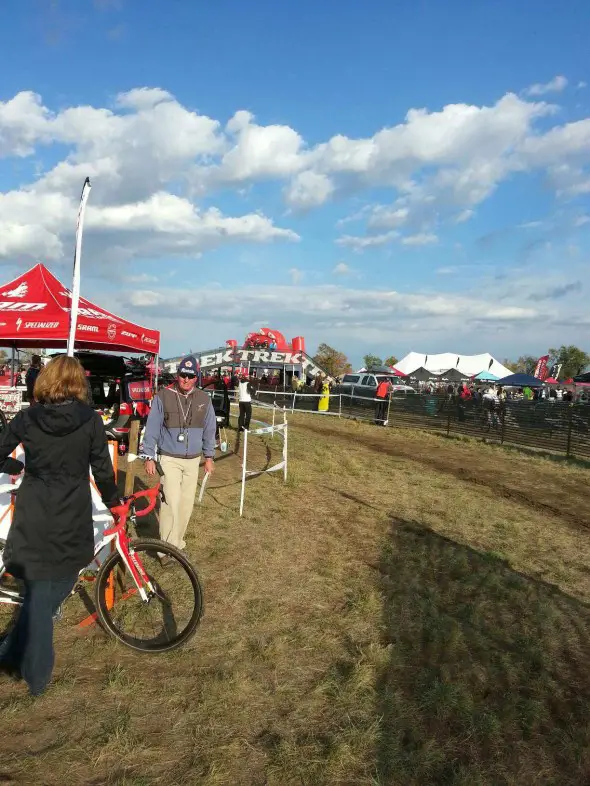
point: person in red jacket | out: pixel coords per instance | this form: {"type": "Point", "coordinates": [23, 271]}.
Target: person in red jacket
{"type": "Point", "coordinates": [383, 392]}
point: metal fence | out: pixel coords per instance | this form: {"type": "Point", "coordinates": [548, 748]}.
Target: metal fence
{"type": "Point", "coordinates": [552, 426]}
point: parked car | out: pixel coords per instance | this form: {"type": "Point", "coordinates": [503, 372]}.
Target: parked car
{"type": "Point", "coordinates": [362, 387]}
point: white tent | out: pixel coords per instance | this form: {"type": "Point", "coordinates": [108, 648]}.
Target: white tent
{"type": "Point", "coordinates": [470, 365]}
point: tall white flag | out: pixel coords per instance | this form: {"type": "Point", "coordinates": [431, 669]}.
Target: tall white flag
{"type": "Point", "coordinates": [76, 275]}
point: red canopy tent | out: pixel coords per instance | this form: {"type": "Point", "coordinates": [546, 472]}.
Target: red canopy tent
{"type": "Point", "coordinates": [35, 312]}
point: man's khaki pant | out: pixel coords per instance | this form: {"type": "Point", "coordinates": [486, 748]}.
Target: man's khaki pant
{"type": "Point", "coordinates": [180, 480]}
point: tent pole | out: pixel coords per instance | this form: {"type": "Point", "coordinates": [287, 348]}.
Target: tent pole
{"type": "Point", "coordinates": [157, 365]}
{"type": "Point", "coordinates": [12, 366]}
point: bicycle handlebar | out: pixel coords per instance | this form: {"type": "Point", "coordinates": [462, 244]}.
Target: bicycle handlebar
{"type": "Point", "coordinates": [151, 494]}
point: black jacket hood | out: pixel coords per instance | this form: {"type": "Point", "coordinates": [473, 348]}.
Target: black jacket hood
{"type": "Point", "coordinates": [61, 419]}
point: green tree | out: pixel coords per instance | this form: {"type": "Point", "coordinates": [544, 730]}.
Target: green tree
{"type": "Point", "coordinates": [330, 360]}
{"type": "Point", "coordinates": [511, 365]}
{"type": "Point", "coordinates": [572, 360]}
{"type": "Point", "coordinates": [525, 364]}
{"type": "Point", "coordinates": [372, 360]}
{"type": "Point", "coordinates": [391, 360]}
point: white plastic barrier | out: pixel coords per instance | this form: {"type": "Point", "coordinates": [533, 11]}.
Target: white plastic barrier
{"type": "Point", "coordinates": [280, 429]}
{"type": "Point", "coordinates": [102, 519]}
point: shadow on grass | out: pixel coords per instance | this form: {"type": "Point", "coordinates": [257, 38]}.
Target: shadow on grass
{"type": "Point", "coordinates": [488, 678]}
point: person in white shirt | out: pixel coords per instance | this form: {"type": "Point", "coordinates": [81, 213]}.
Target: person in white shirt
{"type": "Point", "coordinates": [245, 393]}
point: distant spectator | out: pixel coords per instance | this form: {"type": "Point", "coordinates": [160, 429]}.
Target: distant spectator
{"type": "Point", "coordinates": [32, 374]}
{"type": "Point", "coordinates": [383, 392]}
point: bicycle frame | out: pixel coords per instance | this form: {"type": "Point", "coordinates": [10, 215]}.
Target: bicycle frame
{"type": "Point", "coordinates": [117, 533]}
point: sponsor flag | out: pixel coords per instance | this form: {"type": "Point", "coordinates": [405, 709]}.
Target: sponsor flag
{"type": "Point", "coordinates": [541, 368]}
{"type": "Point", "coordinates": [75, 300]}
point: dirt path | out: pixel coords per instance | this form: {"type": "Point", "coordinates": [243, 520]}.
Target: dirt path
{"type": "Point", "coordinates": [546, 490]}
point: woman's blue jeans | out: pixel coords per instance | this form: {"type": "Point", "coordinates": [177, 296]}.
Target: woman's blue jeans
{"type": "Point", "coordinates": [28, 648]}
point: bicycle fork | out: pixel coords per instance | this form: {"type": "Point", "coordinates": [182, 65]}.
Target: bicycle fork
{"type": "Point", "coordinates": [132, 561]}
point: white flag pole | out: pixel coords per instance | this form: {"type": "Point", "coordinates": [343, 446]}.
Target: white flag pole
{"type": "Point", "coordinates": [76, 275]}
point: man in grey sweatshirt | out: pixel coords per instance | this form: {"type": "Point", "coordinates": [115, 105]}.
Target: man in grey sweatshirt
{"type": "Point", "coordinates": [180, 427]}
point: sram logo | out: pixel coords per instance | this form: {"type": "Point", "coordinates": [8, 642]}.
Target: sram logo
{"type": "Point", "coordinates": [88, 328]}
{"type": "Point", "coordinates": [8, 305]}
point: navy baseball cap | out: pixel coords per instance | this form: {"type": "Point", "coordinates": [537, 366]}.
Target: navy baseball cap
{"type": "Point", "coordinates": [188, 365]}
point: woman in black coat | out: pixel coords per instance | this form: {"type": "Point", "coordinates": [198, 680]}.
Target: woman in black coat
{"type": "Point", "coordinates": [52, 536]}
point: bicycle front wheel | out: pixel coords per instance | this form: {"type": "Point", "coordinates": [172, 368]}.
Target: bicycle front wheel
{"type": "Point", "coordinates": [170, 615]}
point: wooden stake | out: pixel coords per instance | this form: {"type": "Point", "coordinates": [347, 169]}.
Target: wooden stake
{"type": "Point", "coordinates": [133, 448]}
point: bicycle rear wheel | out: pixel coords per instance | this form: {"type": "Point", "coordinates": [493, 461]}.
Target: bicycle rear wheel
{"type": "Point", "coordinates": [168, 618]}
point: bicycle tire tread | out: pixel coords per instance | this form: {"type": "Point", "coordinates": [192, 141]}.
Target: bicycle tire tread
{"type": "Point", "coordinates": [163, 548]}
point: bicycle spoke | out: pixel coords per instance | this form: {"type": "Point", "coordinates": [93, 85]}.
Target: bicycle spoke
{"type": "Point", "coordinates": [169, 615]}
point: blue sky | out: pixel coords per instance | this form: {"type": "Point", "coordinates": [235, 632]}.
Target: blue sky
{"type": "Point", "coordinates": [383, 176]}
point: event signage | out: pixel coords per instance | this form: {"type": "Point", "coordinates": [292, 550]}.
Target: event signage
{"type": "Point", "coordinates": [541, 368]}
{"type": "Point", "coordinates": [244, 356]}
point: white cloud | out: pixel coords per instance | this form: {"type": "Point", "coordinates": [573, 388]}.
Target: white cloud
{"type": "Point", "coordinates": [341, 269]}
{"type": "Point", "coordinates": [464, 216]}
{"type": "Point", "coordinates": [143, 98]}
{"type": "Point", "coordinates": [487, 316]}
{"type": "Point", "coordinates": [296, 275]}
{"type": "Point", "coordinates": [423, 239]}
{"type": "Point", "coordinates": [133, 156]}
{"type": "Point", "coordinates": [530, 225]}
{"type": "Point", "coordinates": [255, 152]}
{"type": "Point", "coordinates": [24, 121]}
{"type": "Point", "coordinates": [140, 278]}
{"type": "Point", "coordinates": [555, 85]}
{"type": "Point", "coordinates": [387, 217]}
{"type": "Point", "coordinates": [330, 305]}
{"type": "Point", "coordinates": [308, 189]}
{"type": "Point", "coordinates": [582, 221]}
{"type": "Point", "coordinates": [368, 241]}
{"type": "Point", "coordinates": [151, 159]}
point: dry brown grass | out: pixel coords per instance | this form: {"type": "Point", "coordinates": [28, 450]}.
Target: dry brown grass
{"type": "Point", "coordinates": [386, 617]}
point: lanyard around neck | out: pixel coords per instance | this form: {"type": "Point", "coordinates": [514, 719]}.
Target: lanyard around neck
{"type": "Point", "coordinates": [185, 415]}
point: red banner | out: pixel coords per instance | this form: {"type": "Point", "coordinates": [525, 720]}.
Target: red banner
{"type": "Point", "coordinates": [541, 368]}
{"type": "Point", "coordinates": [139, 390]}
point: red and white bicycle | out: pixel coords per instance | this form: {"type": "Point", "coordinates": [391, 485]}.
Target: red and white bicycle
{"type": "Point", "coordinates": [147, 593]}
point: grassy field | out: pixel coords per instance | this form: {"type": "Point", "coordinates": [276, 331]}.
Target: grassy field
{"type": "Point", "coordinates": [406, 610]}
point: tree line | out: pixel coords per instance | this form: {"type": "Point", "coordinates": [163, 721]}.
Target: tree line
{"type": "Point", "coordinates": [571, 358]}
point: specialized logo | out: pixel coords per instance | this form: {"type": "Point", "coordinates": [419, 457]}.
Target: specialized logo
{"type": "Point", "coordinates": [88, 328]}
{"type": "Point", "coordinates": [112, 331]}
{"type": "Point", "coordinates": [40, 325]}
{"type": "Point", "coordinates": [18, 323]}
{"type": "Point", "coordinates": [8, 305]}
{"type": "Point", "coordinates": [148, 340]}
{"type": "Point", "coordinates": [19, 291]}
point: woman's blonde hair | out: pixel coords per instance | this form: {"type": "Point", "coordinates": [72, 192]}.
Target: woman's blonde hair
{"type": "Point", "coordinates": [61, 379]}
